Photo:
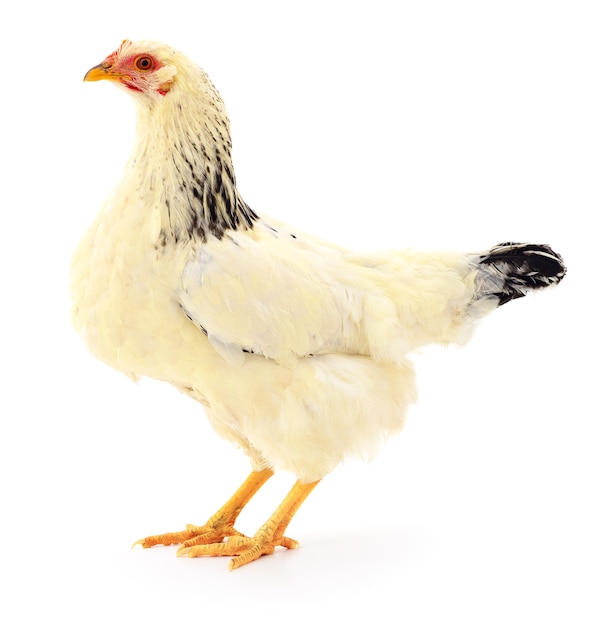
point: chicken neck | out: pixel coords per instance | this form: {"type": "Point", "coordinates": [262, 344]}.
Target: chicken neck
{"type": "Point", "coordinates": [183, 159]}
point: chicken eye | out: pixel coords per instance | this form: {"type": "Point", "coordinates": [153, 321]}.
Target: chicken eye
{"type": "Point", "coordinates": [144, 63]}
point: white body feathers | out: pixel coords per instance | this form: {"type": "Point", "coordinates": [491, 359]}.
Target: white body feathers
{"type": "Point", "coordinates": [330, 331]}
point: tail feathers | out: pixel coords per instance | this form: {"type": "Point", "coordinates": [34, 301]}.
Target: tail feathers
{"type": "Point", "coordinates": [511, 270]}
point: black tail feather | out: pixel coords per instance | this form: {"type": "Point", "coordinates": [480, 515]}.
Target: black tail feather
{"type": "Point", "coordinates": [511, 270]}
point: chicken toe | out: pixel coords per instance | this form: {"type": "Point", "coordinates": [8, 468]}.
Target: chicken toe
{"type": "Point", "coordinates": [219, 526]}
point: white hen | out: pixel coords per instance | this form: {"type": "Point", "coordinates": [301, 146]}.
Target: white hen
{"type": "Point", "coordinates": [296, 348]}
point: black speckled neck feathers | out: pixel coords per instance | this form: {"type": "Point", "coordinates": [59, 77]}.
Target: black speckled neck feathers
{"type": "Point", "coordinates": [184, 148]}
{"type": "Point", "coordinates": [205, 201]}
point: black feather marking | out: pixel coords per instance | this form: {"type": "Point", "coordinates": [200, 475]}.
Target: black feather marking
{"type": "Point", "coordinates": [212, 204]}
{"type": "Point", "coordinates": [514, 269]}
{"type": "Point", "coordinates": [229, 173]}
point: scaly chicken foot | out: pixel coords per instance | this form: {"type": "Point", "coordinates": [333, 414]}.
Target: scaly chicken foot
{"type": "Point", "coordinates": [193, 535]}
{"type": "Point", "coordinates": [220, 525]}
{"type": "Point", "coordinates": [267, 538]}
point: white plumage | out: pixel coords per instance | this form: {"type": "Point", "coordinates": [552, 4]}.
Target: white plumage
{"type": "Point", "coordinates": [296, 348]}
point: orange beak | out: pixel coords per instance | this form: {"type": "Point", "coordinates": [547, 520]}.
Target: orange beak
{"type": "Point", "coordinates": [102, 72]}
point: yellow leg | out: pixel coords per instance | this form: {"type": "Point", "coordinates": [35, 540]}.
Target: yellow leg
{"type": "Point", "coordinates": [220, 525]}
{"type": "Point", "coordinates": [266, 539]}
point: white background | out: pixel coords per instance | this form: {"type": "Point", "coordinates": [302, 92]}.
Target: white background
{"type": "Point", "coordinates": [420, 124]}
